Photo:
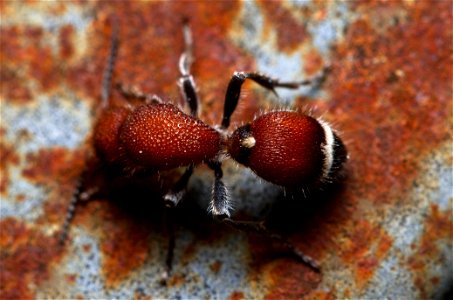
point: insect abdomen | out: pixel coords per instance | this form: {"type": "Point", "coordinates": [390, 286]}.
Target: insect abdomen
{"type": "Point", "coordinates": [163, 137]}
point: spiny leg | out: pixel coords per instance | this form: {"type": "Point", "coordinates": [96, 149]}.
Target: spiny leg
{"type": "Point", "coordinates": [70, 211]}
{"type": "Point", "coordinates": [234, 88]}
{"type": "Point", "coordinates": [105, 95]}
{"type": "Point", "coordinates": [220, 204]}
{"type": "Point", "coordinates": [186, 81]}
{"type": "Point", "coordinates": [175, 195]}
{"type": "Point", "coordinates": [260, 228]}
{"type": "Point", "coordinates": [188, 91]}
{"type": "Point", "coordinates": [133, 93]}
{"type": "Point", "coordinates": [170, 229]}
{"type": "Point", "coordinates": [108, 71]}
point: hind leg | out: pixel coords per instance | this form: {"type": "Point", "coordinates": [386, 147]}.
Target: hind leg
{"type": "Point", "coordinates": [260, 228]}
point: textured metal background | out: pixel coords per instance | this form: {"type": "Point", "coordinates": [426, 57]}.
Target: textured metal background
{"type": "Point", "coordinates": [385, 232]}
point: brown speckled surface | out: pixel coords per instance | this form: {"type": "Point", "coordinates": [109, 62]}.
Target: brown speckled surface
{"type": "Point", "coordinates": [384, 232]}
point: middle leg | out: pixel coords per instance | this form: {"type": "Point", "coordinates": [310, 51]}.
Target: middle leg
{"type": "Point", "coordinates": [188, 91]}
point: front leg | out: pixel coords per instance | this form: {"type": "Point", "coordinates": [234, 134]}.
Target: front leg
{"type": "Point", "coordinates": [234, 88]}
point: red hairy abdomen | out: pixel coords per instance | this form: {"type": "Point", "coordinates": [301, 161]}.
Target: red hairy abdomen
{"type": "Point", "coordinates": [106, 134]}
{"type": "Point", "coordinates": [287, 148]}
{"type": "Point", "coordinates": [163, 137]}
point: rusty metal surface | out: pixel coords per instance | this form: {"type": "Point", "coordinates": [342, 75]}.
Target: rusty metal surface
{"type": "Point", "coordinates": [384, 232]}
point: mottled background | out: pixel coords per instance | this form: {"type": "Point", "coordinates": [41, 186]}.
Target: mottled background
{"type": "Point", "coordinates": [384, 231]}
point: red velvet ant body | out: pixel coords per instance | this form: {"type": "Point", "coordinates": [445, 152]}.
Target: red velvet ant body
{"type": "Point", "coordinates": [286, 148]}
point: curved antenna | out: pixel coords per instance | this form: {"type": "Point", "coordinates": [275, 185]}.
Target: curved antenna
{"type": "Point", "coordinates": [108, 71]}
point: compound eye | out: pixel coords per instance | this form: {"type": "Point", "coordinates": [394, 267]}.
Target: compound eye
{"type": "Point", "coordinates": [241, 143]}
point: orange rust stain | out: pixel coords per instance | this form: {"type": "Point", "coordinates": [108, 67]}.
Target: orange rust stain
{"type": "Point", "coordinates": [320, 295]}
{"type": "Point", "coordinates": [365, 268]}
{"type": "Point", "coordinates": [12, 87]}
{"type": "Point", "coordinates": [435, 280]}
{"type": "Point", "coordinates": [70, 278]}
{"type": "Point", "coordinates": [438, 227]}
{"type": "Point", "coordinates": [290, 33]}
{"type": "Point", "coordinates": [8, 157]}
{"type": "Point", "coordinates": [43, 67]}
{"type": "Point", "coordinates": [149, 60]}
{"type": "Point", "coordinates": [215, 266]}
{"type": "Point", "coordinates": [176, 280]}
{"type": "Point", "coordinates": [236, 295]}
{"type": "Point", "coordinates": [25, 258]}
{"type": "Point", "coordinates": [15, 54]}
{"type": "Point", "coordinates": [28, 57]}
{"type": "Point", "coordinates": [290, 281]}
{"type": "Point", "coordinates": [367, 245]}
{"type": "Point", "coordinates": [87, 248]}
{"type": "Point", "coordinates": [124, 245]}
{"type": "Point", "coordinates": [313, 62]}
{"type": "Point", "coordinates": [66, 45]}
{"type": "Point", "coordinates": [392, 115]}
{"type": "Point", "coordinates": [358, 245]}
{"type": "Point", "coordinates": [55, 207]}
{"type": "Point", "coordinates": [138, 295]}
{"type": "Point", "coordinates": [384, 245]}
{"type": "Point", "coordinates": [52, 165]}
{"type": "Point", "coordinates": [20, 197]}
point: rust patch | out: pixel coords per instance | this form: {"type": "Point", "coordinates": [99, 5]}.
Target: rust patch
{"type": "Point", "coordinates": [176, 280]}
{"type": "Point", "coordinates": [320, 295]}
{"type": "Point", "coordinates": [70, 278]}
{"type": "Point", "coordinates": [290, 281]}
{"type": "Point", "coordinates": [12, 87]}
{"type": "Point", "coordinates": [313, 62]}
{"type": "Point", "coordinates": [390, 118]}
{"type": "Point", "coordinates": [236, 295]}
{"type": "Point", "coordinates": [66, 45]}
{"type": "Point", "coordinates": [215, 266]}
{"type": "Point", "coordinates": [290, 33]}
{"type": "Point", "coordinates": [53, 164]}
{"type": "Point", "coordinates": [161, 37]}
{"type": "Point", "coordinates": [20, 197]}
{"type": "Point", "coordinates": [25, 260]}
{"type": "Point", "coordinates": [383, 104]}
{"type": "Point", "coordinates": [20, 48]}
{"type": "Point", "coordinates": [139, 295]}
{"type": "Point", "coordinates": [124, 244]}
{"type": "Point", "coordinates": [365, 247]}
{"type": "Point", "coordinates": [438, 227]}
{"type": "Point", "coordinates": [8, 157]}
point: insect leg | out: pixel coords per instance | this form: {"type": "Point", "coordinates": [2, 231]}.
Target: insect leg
{"type": "Point", "coordinates": [220, 204]}
{"type": "Point", "coordinates": [70, 212]}
{"type": "Point", "coordinates": [131, 93]}
{"type": "Point", "coordinates": [175, 195]}
{"type": "Point", "coordinates": [186, 81]}
{"type": "Point", "coordinates": [170, 228]}
{"type": "Point", "coordinates": [108, 71]}
{"type": "Point", "coordinates": [105, 95]}
{"type": "Point", "coordinates": [188, 91]}
{"type": "Point", "coordinates": [260, 228]}
{"type": "Point", "coordinates": [234, 88]}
